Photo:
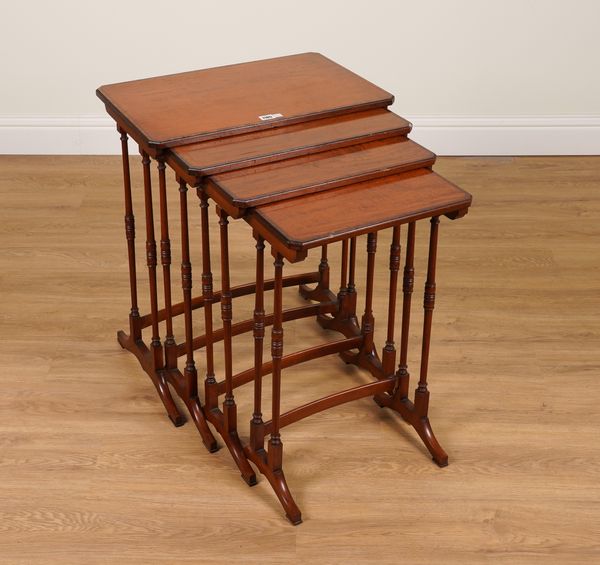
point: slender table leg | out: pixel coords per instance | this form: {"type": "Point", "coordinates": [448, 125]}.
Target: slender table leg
{"type": "Point", "coordinates": [388, 357]}
{"type": "Point", "coordinates": [165, 259]}
{"type": "Point", "coordinates": [229, 407]}
{"type": "Point", "coordinates": [352, 268]}
{"type": "Point", "coordinates": [407, 290]}
{"type": "Point", "coordinates": [321, 292]}
{"type": "Point", "coordinates": [367, 357]}
{"type": "Point", "coordinates": [190, 375]}
{"type": "Point", "coordinates": [416, 413]}
{"type": "Point", "coordinates": [422, 394]}
{"type": "Point", "coordinates": [155, 344]}
{"type": "Point", "coordinates": [344, 320]}
{"type": "Point", "coordinates": [152, 360]}
{"type": "Point", "coordinates": [368, 322]}
{"type": "Point", "coordinates": [344, 270]}
{"type": "Point", "coordinates": [275, 450]}
{"type": "Point", "coordinates": [135, 331]}
{"type": "Point", "coordinates": [210, 383]}
{"type": "Point", "coordinates": [257, 432]}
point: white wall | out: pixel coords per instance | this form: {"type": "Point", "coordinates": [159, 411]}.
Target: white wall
{"type": "Point", "coordinates": [475, 76]}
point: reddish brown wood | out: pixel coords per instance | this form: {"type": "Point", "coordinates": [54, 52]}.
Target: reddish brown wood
{"type": "Point", "coordinates": [345, 320]}
{"type": "Point", "coordinates": [236, 291]}
{"type": "Point", "coordinates": [245, 188]}
{"type": "Point", "coordinates": [186, 384]}
{"type": "Point", "coordinates": [388, 356]}
{"type": "Point", "coordinates": [275, 452]}
{"type": "Point", "coordinates": [417, 413]}
{"type": "Point", "coordinates": [368, 322]}
{"type": "Point", "coordinates": [334, 166]}
{"type": "Point", "coordinates": [155, 345]}
{"type": "Point", "coordinates": [352, 268]}
{"type": "Point", "coordinates": [208, 300]}
{"type": "Point", "coordinates": [257, 433]}
{"type": "Point", "coordinates": [244, 326]}
{"type": "Point", "coordinates": [270, 463]}
{"type": "Point", "coordinates": [428, 306]}
{"type": "Point", "coordinates": [321, 292]}
{"type": "Point", "coordinates": [151, 359]}
{"type": "Point", "coordinates": [135, 329]}
{"type": "Point", "coordinates": [344, 270]}
{"type": "Point", "coordinates": [355, 209]}
{"type": "Point", "coordinates": [407, 290]}
{"type": "Point", "coordinates": [229, 408]}
{"type": "Point", "coordinates": [165, 259]}
{"type": "Point", "coordinates": [297, 357]}
{"type": "Point", "coordinates": [186, 284]}
{"type": "Point", "coordinates": [306, 410]}
{"type": "Point", "coordinates": [268, 146]}
{"type": "Point", "coordinates": [226, 422]}
{"type": "Point", "coordinates": [207, 104]}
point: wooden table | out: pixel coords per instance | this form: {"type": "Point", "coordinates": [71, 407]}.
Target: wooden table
{"type": "Point", "coordinates": [307, 153]}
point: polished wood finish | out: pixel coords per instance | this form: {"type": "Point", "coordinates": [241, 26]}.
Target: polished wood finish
{"type": "Point", "coordinates": [315, 173]}
{"type": "Point", "coordinates": [197, 160]}
{"type": "Point", "coordinates": [182, 108]}
{"type": "Point", "coordinates": [407, 290]}
{"type": "Point", "coordinates": [165, 260]}
{"type": "Point", "coordinates": [386, 389]}
{"type": "Point", "coordinates": [208, 299]}
{"type": "Point", "coordinates": [257, 433]}
{"type": "Point", "coordinates": [91, 472]}
{"type": "Point", "coordinates": [297, 191]}
{"type": "Point", "coordinates": [134, 313]}
{"type": "Point", "coordinates": [211, 297]}
{"type": "Point", "coordinates": [189, 372]}
{"type": "Point", "coordinates": [151, 262]}
{"type": "Point", "coordinates": [388, 356]}
{"type": "Point", "coordinates": [356, 209]}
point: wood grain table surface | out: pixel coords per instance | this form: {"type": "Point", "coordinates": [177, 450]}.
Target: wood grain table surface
{"type": "Point", "coordinates": [212, 103]}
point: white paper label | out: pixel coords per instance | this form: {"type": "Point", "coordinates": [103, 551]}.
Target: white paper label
{"type": "Point", "coordinates": [266, 117]}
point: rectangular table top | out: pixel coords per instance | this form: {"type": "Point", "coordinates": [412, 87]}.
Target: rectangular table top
{"type": "Point", "coordinates": [237, 190]}
{"type": "Point", "coordinates": [182, 108]}
{"type": "Point", "coordinates": [296, 225]}
{"type": "Point", "coordinates": [265, 146]}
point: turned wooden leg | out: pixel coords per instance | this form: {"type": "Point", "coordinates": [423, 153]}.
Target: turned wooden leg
{"type": "Point", "coordinates": [257, 427]}
{"type": "Point", "coordinates": [407, 290]}
{"type": "Point", "coordinates": [165, 258]}
{"type": "Point", "coordinates": [275, 449]}
{"type": "Point", "coordinates": [344, 320]}
{"type": "Point", "coordinates": [416, 413]}
{"type": "Point", "coordinates": [321, 292]}
{"type": "Point", "coordinates": [389, 352]}
{"type": "Point", "coordinates": [229, 407]}
{"type": "Point", "coordinates": [352, 267]}
{"type": "Point", "coordinates": [344, 270]}
{"type": "Point", "coordinates": [388, 357]}
{"type": "Point", "coordinates": [157, 374]}
{"type": "Point", "coordinates": [190, 375]}
{"type": "Point", "coordinates": [367, 357]}
{"type": "Point", "coordinates": [135, 330]}
{"type": "Point", "coordinates": [422, 393]}
{"type": "Point", "coordinates": [210, 383]}
{"type": "Point", "coordinates": [368, 322]}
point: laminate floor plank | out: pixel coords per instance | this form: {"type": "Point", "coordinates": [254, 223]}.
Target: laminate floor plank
{"type": "Point", "coordinates": [92, 471]}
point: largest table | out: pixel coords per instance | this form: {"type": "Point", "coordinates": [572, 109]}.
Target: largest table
{"type": "Point", "coordinates": [309, 155]}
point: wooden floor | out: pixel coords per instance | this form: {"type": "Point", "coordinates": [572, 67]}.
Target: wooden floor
{"type": "Point", "coordinates": [92, 471]}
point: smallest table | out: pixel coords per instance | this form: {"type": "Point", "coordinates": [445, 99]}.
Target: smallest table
{"type": "Point", "coordinates": [291, 228]}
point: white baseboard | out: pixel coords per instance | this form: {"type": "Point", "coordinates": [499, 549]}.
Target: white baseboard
{"type": "Point", "coordinates": [508, 135]}
{"type": "Point", "coordinates": [445, 135]}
